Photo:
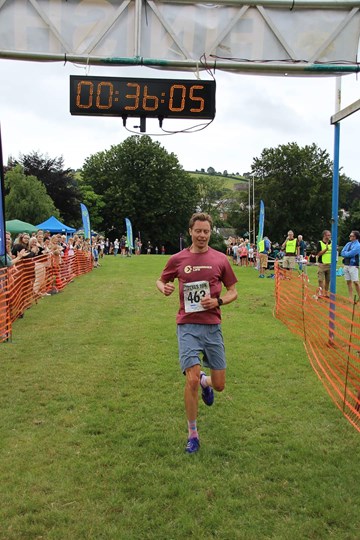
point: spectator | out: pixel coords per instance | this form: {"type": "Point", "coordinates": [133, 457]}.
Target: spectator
{"type": "Point", "coordinates": [243, 254]}
{"type": "Point", "coordinates": [324, 262]}
{"type": "Point", "coordinates": [235, 250]}
{"type": "Point", "coordinates": [137, 246]}
{"type": "Point", "coordinates": [123, 245]}
{"type": "Point", "coordinates": [34, 248]}
{"type": "Point", "coordinates": [40, 238]}
{"type": "Point", "coordinates": [302, 246]}
{"type": "Point", "coordinates": [95, 253]}
{"type": "Point", "coordinates": [263, 250]}
{"type": "Point", "coordinates": [101, 247]}
{"type": "Point", "coordinates": [40, 265]}
{"type": "Point", "coordinates": [312, 258]}
{"type": "Point", "coordinates": [351, 253]}
{"type": "Point", "coordinates": [291, 251]}
{"type": "Point", "coordinates": [8, 259]}
{"type": "Point", "coordinates": [251, 255]}
{"type": "Point", "coordinates": [21, 242]}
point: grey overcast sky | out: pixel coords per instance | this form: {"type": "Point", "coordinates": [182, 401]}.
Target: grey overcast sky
{"type": "Point", "coordinates": [252, 113]}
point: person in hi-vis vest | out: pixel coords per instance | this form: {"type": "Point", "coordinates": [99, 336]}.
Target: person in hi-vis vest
{"type": "Point", "coordinates": [291, 248]}
{"type": "Point", "coordinates": [324, 263]}
{"type": "Point", "coordinates": [264, 248]}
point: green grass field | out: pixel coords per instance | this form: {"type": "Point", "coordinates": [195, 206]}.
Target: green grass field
{"type": "Point", "coordinates": [92, 429]}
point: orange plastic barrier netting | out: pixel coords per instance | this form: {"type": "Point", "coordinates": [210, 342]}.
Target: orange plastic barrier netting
{"type": "Point", "coordinates": [23, 284]}
{"type": "Point", "coordinates": [330, 330]}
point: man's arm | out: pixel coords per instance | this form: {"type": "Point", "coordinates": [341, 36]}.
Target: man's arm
{"type": "Point", "coordinates": [230, 295]}
{"type": "Point", "coordinates": [212, 302]}
{"type": "Point", "coordinates": [344, 250]}
{"type": "Point", "coordinates": [165, 288]}
{"type": "Point", "coordinates": [352, 252]}
{"type": "Point", "coordinates": [321, 252]}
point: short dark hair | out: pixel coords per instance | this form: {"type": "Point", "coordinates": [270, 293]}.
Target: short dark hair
{"type": "Point", "coordinates": [200, 216]}
{"type": "Point", "coordinates": [356, 234]}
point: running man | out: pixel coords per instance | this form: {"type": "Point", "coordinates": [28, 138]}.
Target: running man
{"type": "Point", "coordinates": [201, 272]}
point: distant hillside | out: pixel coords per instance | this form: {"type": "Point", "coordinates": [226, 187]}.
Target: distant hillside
{"type": "Point", "coordinates": [230, 182]}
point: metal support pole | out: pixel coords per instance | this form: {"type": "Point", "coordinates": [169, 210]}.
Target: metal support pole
{"type": "Point", "coordinates": [2, 205]}
{"type": "Point", "coordinates": [254, 230]}
{"type": "Point", "coordinates": [334, 231]}
{"type": "Point", "coordinates": [249, 205]}
{"type": "Point", "coordinates": [335, 208]}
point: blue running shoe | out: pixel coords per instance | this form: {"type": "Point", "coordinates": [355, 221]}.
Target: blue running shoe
{"type": "Point", "coordinates": [207, 393]}
{"type": "Point", "coordinates": [193, 445]}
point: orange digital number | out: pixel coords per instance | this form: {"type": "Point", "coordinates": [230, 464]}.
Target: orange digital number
{"type": "Point", "coordinates": [149, 103]}
{"type": "Point", "coordinates": [183, 95]}
{"type": "Point", "coordinates": [108, 95]}
{"type": "Point", "coordinates": [196, 98]}
{"type": "Point", "coordinates": [135, 97]}
{"type": "Point", "coordinates": [79, 90]}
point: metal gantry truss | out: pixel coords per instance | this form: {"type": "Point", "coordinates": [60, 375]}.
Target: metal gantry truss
{"type": "Point", "coordinates": [296, 37]}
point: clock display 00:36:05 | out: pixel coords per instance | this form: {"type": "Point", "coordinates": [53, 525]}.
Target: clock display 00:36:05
{"type": "Point", "coordinates": [119, 96]}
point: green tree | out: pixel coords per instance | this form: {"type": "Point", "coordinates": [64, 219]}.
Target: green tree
{"type": "Point", "coordinates": [93, 202]}
{"type": "Point", "coordinates": [352, 212]}
{"type": "Point", "coordinates": [211, 192]}
{"type": "Point", "coordinates": [140, 180]}
{"type": "Point", "coordinates": [238, 214]}
{"type": "Point", "coordinates": [60, 183]}
{"type": "Point", "coordinates": [296, 186]}
{"type": "Point", "coordinates": [26, 198]}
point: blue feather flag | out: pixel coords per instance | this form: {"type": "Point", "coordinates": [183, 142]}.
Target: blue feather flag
{"type": "Point", "coordinates": [86, 221]}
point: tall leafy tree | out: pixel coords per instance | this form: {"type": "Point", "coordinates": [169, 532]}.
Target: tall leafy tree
{"type": "Point", "coordinates": [140, 180]}
{"type": "Point", "coordinates": [93, 202]}
{"type": "Point", "coordinates": [211, 193]}
{"type": "Point", "coordinates": [61, 184]}
{"type": "Point", "coordinates": [295, 184]}
{"type": "Point", "coordinates": [26, 198]}
{"type": "Point", "coordinates": [238, 215]}
{"type": "Point", "coordinates": [351, 215]}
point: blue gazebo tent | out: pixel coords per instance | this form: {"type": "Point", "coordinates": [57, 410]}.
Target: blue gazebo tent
{"type": "Point", "coordinates": [54, 226]}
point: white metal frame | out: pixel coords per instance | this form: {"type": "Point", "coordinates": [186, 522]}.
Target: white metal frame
{"type": "Point", "coordinates": [296, 37]}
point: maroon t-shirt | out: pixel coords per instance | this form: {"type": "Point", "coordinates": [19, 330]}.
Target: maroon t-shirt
{"type": "Point", "coordinates": [198, 273]}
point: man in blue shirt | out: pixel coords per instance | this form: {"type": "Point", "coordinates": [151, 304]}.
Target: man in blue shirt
{"type": "Point", "coordinates": [351, 254]}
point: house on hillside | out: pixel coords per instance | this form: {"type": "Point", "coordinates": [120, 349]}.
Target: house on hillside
{"type": "Point", "coordinates": [226, 232]}
{"type": "Point", "coordinates": [223, 206]}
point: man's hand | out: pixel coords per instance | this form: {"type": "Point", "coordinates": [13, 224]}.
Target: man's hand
{"type": "Point", "coordinates": [209, 303]}
{"type": "Point", "coordinates": [169, 288]}
{"type": "Point", "coordinates": [165, 288]}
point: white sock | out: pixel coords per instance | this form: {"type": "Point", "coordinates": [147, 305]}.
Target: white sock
{"type": "Point", "coordinates": [204, 381]}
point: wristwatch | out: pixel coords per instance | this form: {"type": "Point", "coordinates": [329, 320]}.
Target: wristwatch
{"type": "Point", "coordinates": [220, 302]}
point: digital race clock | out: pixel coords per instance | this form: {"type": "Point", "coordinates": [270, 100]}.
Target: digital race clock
{"type": "Point", "coordinates": [157, 98]}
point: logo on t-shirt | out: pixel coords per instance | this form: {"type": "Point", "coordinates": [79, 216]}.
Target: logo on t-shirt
{"type": "Point", "coordinates": [188, 269]}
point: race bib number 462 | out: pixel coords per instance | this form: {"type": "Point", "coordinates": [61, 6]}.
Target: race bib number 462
{"type": "Point", "coordinates": [194, 292]}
